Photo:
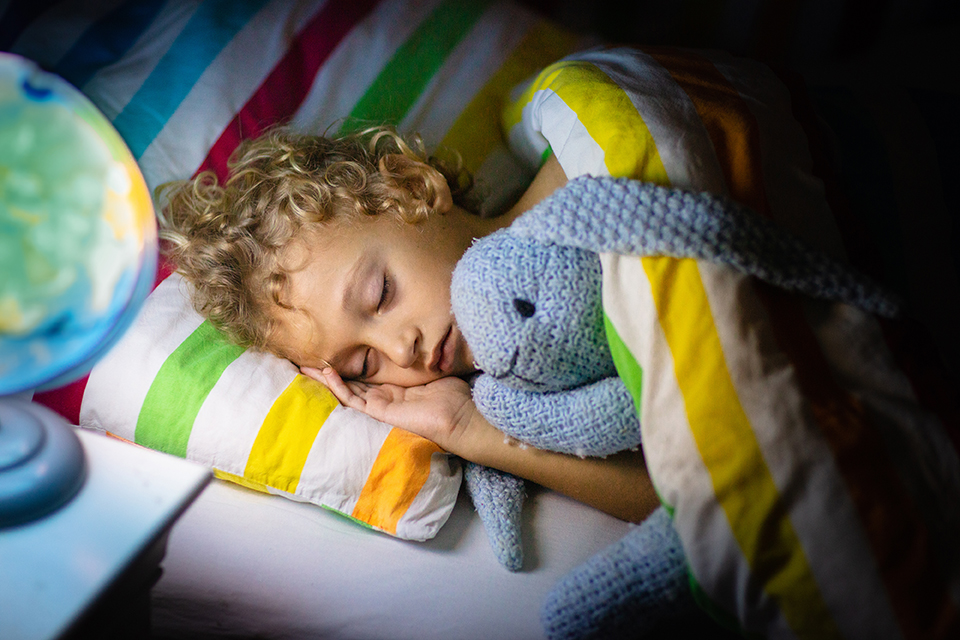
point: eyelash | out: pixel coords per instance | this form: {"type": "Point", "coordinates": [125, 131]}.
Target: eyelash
{"type": "Point", "coordinates": [363, 369]}
{"type": "Point", "coordinates": [386, 289]}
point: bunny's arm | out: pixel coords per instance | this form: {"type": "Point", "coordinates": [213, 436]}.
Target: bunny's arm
{"type": "Point", "coordinates": [597, 419]}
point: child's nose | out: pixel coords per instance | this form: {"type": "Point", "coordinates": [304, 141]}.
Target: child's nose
{"type": "Point", "coordinates": [402, 346]}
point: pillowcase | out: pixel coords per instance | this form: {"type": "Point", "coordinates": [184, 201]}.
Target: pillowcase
{"type": "Point", "coordinates": [183, 83]}
{"type": "Point", "coordinates": [813, 487]}
{"type": "Point", "coordinates": [175, 384]}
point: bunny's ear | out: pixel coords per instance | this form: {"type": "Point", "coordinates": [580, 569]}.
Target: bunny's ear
{"type": "Point", "coordinates": [628, 217]}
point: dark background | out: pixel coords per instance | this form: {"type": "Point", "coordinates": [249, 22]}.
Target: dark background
{"type": "Point", "coordinates": [790, 32]}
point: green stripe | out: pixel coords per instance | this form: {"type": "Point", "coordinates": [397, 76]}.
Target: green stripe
{"type": "Point", "coordinates": [350, 517]}
{"type": "Point", "coordinates": [405, 76]}
{"type": "Point", "coordinates": [631, 373]}
{"type": "Point", "coordinates": [545, 155]}
{"type": "Point", "coordinates": [628, 368]}
{"type": "Point", "coordinates": [180, 389]}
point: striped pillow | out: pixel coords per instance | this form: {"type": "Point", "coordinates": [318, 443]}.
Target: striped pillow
{"type": "Point", "coordinates": [183, 83]}
{"type": "Point", "coordinates": [288, 436]}
{"type": "Point", "coordinates": [813, 487]}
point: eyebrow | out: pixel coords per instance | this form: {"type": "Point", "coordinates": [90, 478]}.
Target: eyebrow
{"type": "Point", "coordinates": [354, 279]}
{"type": "Point", "coordinates": [353, 282]}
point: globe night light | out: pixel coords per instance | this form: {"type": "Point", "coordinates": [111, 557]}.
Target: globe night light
{"type": "Point", "coordinates": [77, 258]}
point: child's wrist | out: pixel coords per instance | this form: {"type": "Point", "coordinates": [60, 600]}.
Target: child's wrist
{"type": "Point", "coordinates": [481, 442]}
{"type": "Point", "coordinates": [467, 433]}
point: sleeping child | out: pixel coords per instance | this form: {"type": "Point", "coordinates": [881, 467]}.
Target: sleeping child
{"type": "Point", "coordinates": [767, 418]}
{"type": "Point", "coordinates": [337, 253]}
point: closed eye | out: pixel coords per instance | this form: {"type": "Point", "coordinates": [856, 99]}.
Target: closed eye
{"type": "Point", "coordinates": [386, 294]}
{"type": "Point", "coordinates": [386, 290]}
{"type": "Point", "coordinates": [365, 369]}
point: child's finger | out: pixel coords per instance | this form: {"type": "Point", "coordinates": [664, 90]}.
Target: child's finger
{"type": "Point", "coordinates": [330, 379]}
{"type": "Point", "coordinates": [310, 372]}
{"type": "Point", "coordinates": [337, 386]}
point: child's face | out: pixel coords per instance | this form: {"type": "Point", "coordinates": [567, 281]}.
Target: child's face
{"type": "Point", "coordinates": [374, 300]}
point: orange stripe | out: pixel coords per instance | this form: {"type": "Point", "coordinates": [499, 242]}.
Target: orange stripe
{"type": "Point", "coordinates": [895, 529]}
{"type": "Point", "coordinates": [732, 128]}
{"type": "Point", "coordinates": [398, 474]}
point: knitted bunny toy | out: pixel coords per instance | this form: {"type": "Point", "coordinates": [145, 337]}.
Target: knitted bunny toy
{"type": "Point", "coordinates": [534, 312]}
{"type": "Point", "coordinates": [528, 301]}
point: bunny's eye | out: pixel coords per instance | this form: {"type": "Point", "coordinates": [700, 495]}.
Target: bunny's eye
{"type": "Point", "coordinates": [524, 307]}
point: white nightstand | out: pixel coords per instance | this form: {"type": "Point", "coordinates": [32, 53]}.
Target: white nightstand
{"type": "Point", "coordinates": [85, 570]}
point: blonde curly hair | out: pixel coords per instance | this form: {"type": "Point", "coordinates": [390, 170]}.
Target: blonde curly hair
{"type": "Point", "coordinates": [228, 239]}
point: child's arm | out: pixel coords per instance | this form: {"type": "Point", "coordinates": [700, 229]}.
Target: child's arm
{"type": "Point", "coordinates": [443, 411]}
{"type": "Point", "coordinates": [549, 178]}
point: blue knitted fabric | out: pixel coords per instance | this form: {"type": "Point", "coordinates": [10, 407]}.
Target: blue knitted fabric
{"type": "Point", "coordinates": [596, 419]}
{"type": "Point", "coordinates": [533, 316]}
{"type": "Point", "coordinates": [527, 300]}
{"type": "Point", "coordinates": [498, 498]}
{"type": "Point", "coordinates": [625, 590]}
{"type": "Point", "coordinates": [548, 375]}
{"type": "Point", "coordinates": [619, 215]}
{"type": "Point", "coordinates": [558, 342]}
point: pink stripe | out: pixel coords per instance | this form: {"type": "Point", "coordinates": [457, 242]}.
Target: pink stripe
{"type": "Point", "coordinates": [280, 95]}
{"type": "Point", "coordinates": [276, 100]}
{"type": "Point", "coordinates": [65, 400]}
{"type": "Point", "coordinates": [164, 269]}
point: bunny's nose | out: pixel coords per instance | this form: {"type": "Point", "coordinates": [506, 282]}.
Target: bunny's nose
{"type": "Point", "coordinates": [524, 307]}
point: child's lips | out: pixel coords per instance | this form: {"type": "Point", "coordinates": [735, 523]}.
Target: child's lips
{"type": "Point", "coordinates": [445, 353]}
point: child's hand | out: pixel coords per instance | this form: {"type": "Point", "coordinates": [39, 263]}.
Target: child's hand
{"type": "Point", "coordinates": [440, 411]}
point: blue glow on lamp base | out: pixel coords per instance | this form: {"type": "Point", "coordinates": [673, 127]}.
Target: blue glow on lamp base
{"type": "Point", "coordinates": [42, 465]}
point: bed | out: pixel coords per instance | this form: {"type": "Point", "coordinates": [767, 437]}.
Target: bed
{"type": "Point", "coordinates": [366, 533]}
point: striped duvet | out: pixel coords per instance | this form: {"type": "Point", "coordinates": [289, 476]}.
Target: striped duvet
{"type": "Point", "coordinates": [814, 489]}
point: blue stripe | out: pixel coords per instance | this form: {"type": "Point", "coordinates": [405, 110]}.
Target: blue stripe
{"type": "Point", "coordinates": [212, 27]}
{"type": "Point", "coordinates": [108, 40]}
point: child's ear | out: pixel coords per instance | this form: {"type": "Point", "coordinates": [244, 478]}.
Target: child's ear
{"type": "Point", "coordinates": [418, 180]}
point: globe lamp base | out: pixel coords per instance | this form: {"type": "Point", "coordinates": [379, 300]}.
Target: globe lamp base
{"type": "Point", "coordinates": [42, 464]}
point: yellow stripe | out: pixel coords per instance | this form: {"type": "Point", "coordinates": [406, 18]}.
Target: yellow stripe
{"type": "Point", "coordinates": [476, 132]}
{"type": "Point", "coordinates": [230, 477]}
{"type": "Point", "coordinates": [513, 114]}
{"type": "Point", "coordinates": [607, 113]}
{"type": "Point", "coordinates": [284, 441]}
{"type": "Point", "coordinates": [401, 469]}
{"type": "Point", "coordinates": [742, 482]}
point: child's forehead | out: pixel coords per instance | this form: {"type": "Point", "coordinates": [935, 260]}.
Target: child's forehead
{"type": "Point", "coordinates": [295, 334]}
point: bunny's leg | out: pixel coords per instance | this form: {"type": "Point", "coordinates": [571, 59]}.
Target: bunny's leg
{"type": "Point", "coordinates": [498, 498]}
{"type": "Point", "coordinates": [626, 590]}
